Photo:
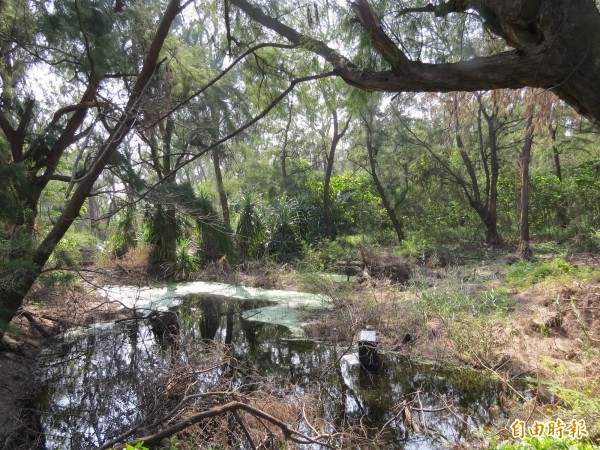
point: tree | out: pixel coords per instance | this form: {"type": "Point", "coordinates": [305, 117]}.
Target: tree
{"type": "Point", "coordinates": [376, 137]}
{"type": "Point", "coordinates": [36, 149]}
{"type": "Point", "coordinates": [476, 124]}
{"type": "Point", "coordinates": [556, 46]}
{"type": "Point", "coordinates": [340, 128]}
{"type": "Point", "coordinates": [157, 131]}
{"type": "Point", "coordinates": [525, 160]}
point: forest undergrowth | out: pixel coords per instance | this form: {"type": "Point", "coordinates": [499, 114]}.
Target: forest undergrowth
{"type": "Point", "coordinates": [536, 322]}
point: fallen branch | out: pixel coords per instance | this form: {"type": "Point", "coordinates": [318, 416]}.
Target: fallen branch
{"type": "Point", "coordinates": [40, 329]}
{"type": "Point", "coordinates": [233, 406]}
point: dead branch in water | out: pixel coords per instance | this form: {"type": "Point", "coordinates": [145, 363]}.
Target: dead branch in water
{"type": "Point", "coordinates": [235, 406]}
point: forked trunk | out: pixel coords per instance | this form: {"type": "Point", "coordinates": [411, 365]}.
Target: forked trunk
{"type": "Point", "coordinates": [12, 298]}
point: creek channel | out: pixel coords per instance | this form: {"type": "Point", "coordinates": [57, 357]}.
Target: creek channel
{"type": "Point", "coordinates": [102, 380]}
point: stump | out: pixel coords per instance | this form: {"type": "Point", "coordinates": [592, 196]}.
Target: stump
{"type": "Point", "coordinates": [367, 349]}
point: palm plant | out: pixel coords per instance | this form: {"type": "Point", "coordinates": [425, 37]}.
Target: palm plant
{"type": "Point", "coordinates": [250, 230]}
{"type": "Point", "coordinates": [186, 260]}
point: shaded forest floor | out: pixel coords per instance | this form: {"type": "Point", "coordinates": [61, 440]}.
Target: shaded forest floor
{"type": "Point", "coordinates": [538, 320]}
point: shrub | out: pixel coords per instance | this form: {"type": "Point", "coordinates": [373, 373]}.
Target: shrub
{"type": "Point", "coordinates": [546, 443]}
{"type": "Point", "coordinates": [124, 237]}
{"type": "Point", "coordinates": [186, 261]}
{"type": "Point", "coordinates": [536, 272]}
{"type": "Point", "coordinates": [250, 231]}
{"type": "Point", "coordinates": [137, 259]}
{"type": "Point", "coordinates": [284, 241]}
{"type": "Point", "coordinates": [161, 232]}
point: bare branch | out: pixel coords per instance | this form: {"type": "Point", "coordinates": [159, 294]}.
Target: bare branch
{"type": "Point", "coordinates": [77, 107]}
{"type": "Point", "coordinates": [287, 431]}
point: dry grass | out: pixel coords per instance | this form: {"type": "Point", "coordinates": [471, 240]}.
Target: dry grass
{"type": "Point", "coordinates": [549, 331]}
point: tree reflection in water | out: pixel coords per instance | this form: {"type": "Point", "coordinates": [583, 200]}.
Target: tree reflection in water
{"type": "Point", "coordinates": [103, 382]}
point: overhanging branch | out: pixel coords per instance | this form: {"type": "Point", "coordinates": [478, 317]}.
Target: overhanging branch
{"type": "Point", "coordinates": [382, 42]}
{"type": "Point", "coordinates": [440, 10]}
{"type": "Point", "coordinates": [535, 66]}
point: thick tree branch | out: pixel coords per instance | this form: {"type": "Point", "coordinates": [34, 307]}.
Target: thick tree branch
{"type": "Point", "coordinates": [16, 137]}
{"type": "Point", "coordinates": [505, 70]}
{"type": "Point", "coordinates": [19, 139]}
{"type": "Point", "coordinates": [6, 126]}
{"type": "Point", "coordinates": [77, 107]}
{"type": "Point", "coordinates": [63, 178]}
{"type": "Point", "coordinates": [557, 49]}
{"type": "Point", "coordinates": [337, 59]}
{"type": "Point", "coordinates": [382, 42]}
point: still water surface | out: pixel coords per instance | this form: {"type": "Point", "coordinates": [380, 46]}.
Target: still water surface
{"type": "Point", "coordinates": [101, 381]}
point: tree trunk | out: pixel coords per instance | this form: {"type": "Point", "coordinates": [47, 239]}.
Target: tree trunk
{"type": "Point", "coordinates": [94, 215]}
{"type": "Point", "coordinates": [327, 215]}
{"type": "Point", "coordinates": [561, 212]}
{"type": "Point", "coordinates": [492, 237]}
{"type": "Point", "coordinates": [283, 156]}
{"type": "Point", "coordinates": [221, 187]}
{"type": "Point", "coordinates": [170, 233]}
{"type": "Point", "coordinates": [335, 140]}
{"type": "Point", "coordinates": [371, 152]}
{"type": "Point", "coordinates": [214, 133]}
{"type": "Point", "coordinates": [524, 250]}
{"type": "Point", "coordinates": [486, 208]}
{"type": "Point", "coordinates": [12, 298]}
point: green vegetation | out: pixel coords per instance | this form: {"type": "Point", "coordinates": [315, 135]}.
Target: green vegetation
{"type": "Point", "coordinates": [547, 443]}
{"type": "Point", "coordinates": [163, 139]}
{"type": "Point", "coordinates": [529, 272]}
{"type": "Point", "coordinates": [138, 446]}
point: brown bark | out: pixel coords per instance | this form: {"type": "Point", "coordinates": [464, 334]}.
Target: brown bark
{"type": "Point", "coordinates": [13, 298]}
{"type": "Point", "coordinates": [561, 212]}
{"type": "Point", "coordinates": [284, 154]}
{"type": "Point", "coordinates": [484, 203]}
{"type": "Point", "coordinates": [493, 237]}
{"type": "Point", "coordinates": [372, 155]}
{"type": "Point", "coordinates": [557, 47]}
{"type": "Point", "coordinates": [338, 134]}
{"type": "Point", "coordinates": [524, 250]}
{"type": "Point", "coordinates": [94, 215]}
{"type": "Point", "coordinates": [232, 406]}
{"type": "Point", "coordinates": [221, 187]}
{"type": "Point", "coordinates": [216, 157]}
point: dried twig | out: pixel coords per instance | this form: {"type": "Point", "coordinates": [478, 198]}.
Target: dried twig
{"type": "Point", "coordinates": [288, 432]}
